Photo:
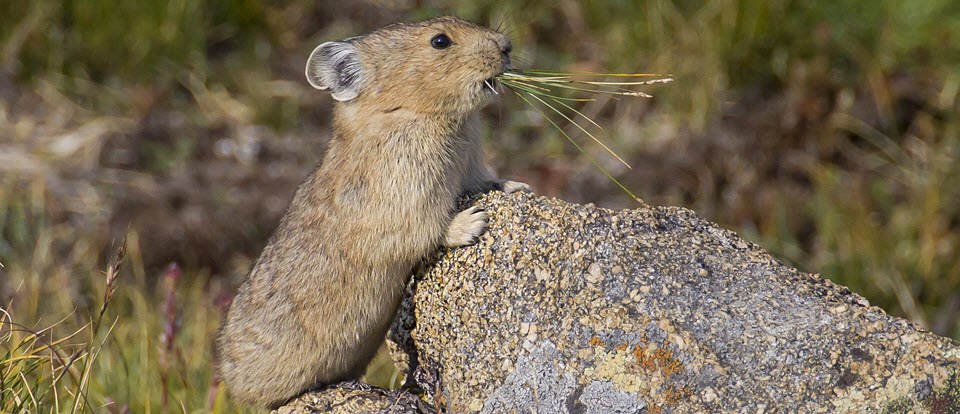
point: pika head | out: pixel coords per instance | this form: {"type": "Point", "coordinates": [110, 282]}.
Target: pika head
{"type": "Point", "coordinates": [443, 66]}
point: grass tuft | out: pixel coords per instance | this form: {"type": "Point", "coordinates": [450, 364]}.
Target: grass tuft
{"type": "Point", "coordinates": [40, 370]}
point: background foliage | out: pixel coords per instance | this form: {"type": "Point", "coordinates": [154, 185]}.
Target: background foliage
{"type": "Point", "coordinates": [828, 132]}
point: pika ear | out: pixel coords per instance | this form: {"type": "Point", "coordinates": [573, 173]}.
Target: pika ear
{"type": "Point", "coordinates": [336, 66]}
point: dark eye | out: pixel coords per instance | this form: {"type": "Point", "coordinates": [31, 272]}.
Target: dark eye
{"type": "Point", "coordinates": [440, 41]}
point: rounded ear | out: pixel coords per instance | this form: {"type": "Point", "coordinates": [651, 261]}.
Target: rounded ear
{"type": "Point", "coordinates": [336, 66]}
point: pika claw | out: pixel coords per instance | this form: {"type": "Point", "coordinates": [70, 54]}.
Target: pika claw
{"type": "Point", "coordinates": [466, 227]}
{"type": "Point", "coordinates": [511, 187]}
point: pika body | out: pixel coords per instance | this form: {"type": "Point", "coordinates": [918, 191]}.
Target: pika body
{"type": "Point", "coordinates": [320, 298]}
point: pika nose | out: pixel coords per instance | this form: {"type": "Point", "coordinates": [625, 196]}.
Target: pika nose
{"type": "Point", "coordinates": [504, 44]}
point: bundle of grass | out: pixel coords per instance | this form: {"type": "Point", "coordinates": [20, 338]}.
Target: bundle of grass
{"type": "Point", "coordinates": [41, 371]}
{"type": "Point", "coordinates": [557, 91]}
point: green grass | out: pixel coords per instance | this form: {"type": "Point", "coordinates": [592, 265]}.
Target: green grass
{"type": "Point", "coordinates": [827, 132]}
{"type": "Point", "coordinates": [149, 350]}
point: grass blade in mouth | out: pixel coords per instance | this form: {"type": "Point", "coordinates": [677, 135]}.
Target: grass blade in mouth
{"type": "Point", "coordinates": [606, 75]}
{"type": "Point", "coordinates": [534, 94]}
{"type": "Point", "coordinates": [579, 148]}
{"type": "Point", "coordinates": [539, 90]}
{"type": "Point", "coordinates": [554, 109]}
{"type": "Point", "coordinates": [572, 81]}
{"type": "Point", "coordinates": [580, 114]}
{"type": "Point", "coordinates": [546, 87]}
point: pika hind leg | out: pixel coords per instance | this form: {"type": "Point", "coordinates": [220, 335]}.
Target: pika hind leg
{"type": "Point", "coordinates": [466, 227]}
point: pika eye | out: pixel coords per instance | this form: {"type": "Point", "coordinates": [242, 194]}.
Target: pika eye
{"type": "Point", "coordinates": [441, 41]}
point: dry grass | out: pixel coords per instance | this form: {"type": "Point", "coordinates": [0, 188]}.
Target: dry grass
{"type": "Point", "coordinates": [109, 349]}
{"type": "Point", "coordinates": [73, 337]}
{"type": "Point", "coordinates": [44, 370]}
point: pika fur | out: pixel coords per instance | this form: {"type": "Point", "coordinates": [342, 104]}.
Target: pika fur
{"type": "Point", "coordinates": [320, 298]}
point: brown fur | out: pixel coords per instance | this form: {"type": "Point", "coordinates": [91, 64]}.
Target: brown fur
{"type": "Point", "coordinates": [318, 302]}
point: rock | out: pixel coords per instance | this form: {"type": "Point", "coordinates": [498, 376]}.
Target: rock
{"type": "Point", "coordinates": [562, 308]}
{"type": "Point", "coordinates": [354, 397]}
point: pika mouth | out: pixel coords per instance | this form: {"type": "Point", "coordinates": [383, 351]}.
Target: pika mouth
{"type": "Point", "coordinates": [490, 84]}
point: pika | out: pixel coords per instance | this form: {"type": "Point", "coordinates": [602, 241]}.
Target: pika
{"type": "Point", "coordinates": [318, 302]}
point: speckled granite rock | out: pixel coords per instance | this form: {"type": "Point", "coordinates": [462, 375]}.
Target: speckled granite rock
{"type": "Point", "coordinates": [562, 308]}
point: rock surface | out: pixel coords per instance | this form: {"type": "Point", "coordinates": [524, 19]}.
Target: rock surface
{"type": "Point", "coordinates": [563, 308]}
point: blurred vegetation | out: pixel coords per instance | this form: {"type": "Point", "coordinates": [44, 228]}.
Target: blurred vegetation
{"type": "Point", "coordinates": [828, 132]}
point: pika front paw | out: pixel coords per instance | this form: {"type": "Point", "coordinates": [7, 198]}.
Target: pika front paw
{"type": "Point", "coordinates": [511, 187]}
{"type": "Point", "coordinates": [466, 227]}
